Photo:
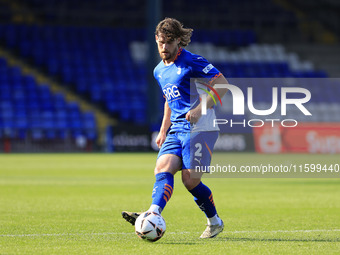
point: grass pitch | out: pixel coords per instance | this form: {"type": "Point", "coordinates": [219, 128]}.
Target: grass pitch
{"type": "Point", "coordinates": [71, 204]}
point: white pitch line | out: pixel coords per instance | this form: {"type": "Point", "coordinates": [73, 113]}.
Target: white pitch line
{"type": "Point", "coordinates": [130, 233]}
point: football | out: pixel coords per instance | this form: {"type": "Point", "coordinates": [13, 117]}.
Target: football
{"type": "Point", "coordinates": [150, 226]}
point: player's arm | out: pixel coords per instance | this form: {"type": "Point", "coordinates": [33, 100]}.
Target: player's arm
{"type": "Point", "coordinates": [220, 91]}
{"type": "Point", "coordinates": [194, 115]}
{"type": "Point", "coordinates": [165, 125]}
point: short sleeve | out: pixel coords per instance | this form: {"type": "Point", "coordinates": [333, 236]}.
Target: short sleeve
{"type": "Point", "coordinates": [201, 68]}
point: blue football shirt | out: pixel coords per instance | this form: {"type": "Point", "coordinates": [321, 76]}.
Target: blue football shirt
{"type": "Point", "coordinates": [174, 80]}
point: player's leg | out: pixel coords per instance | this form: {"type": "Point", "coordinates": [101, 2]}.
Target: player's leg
{"type": "Point", "coordinates": [201, 146]}
{"type": "Point", "coordinates": [204, 200]}
{"type": "Point", "coordinates": [202, 196]}
{"type": "Point", "coordinates": [166, 167]}
{"type": "Point", "coordinates": [167, 164]}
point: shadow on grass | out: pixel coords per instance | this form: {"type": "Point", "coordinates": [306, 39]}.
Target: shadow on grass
{"type": "Point", "coordinates": [180, 242]}
{"type": "Point", "coordinates": [249, 239]}
{"type": "Point", "coordinates": [259, 239]}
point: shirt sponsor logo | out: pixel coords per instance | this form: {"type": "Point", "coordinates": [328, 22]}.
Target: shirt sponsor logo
{"type": "Point", "coordinates": [171, 92]}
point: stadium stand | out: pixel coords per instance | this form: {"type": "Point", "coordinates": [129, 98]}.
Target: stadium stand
{"type": "Point", "coordinates": [91, 60]}
{"type": "Point", "coordinates": [97, 65]}
{"type": "Point", "coordinates": [233, 14]}
{"type": "Point", "coordinates": [31, 111]}
{"type": "Point", "coordinates": [325, 11]}
{"type": "Point", "coordinates": [104, 59]}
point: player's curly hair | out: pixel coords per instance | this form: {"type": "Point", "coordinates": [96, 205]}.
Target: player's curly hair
{"type": "Point", "coordinates": [174, 29]}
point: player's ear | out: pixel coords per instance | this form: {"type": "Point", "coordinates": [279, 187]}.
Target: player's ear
{"type": "Point", "coordinates": [156, 38]}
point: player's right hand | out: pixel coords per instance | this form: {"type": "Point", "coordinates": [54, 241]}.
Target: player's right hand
{"type": "Point", "coordinates": [160, 139]}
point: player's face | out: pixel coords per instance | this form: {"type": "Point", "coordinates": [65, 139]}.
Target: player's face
{"type": "Point", "coordinates": [167, 49]}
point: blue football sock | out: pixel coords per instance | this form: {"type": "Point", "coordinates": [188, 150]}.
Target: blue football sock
{"type": "Point", "coordinates": [162, 190]}
{"type": "Point", "coordinates": [204, 199]}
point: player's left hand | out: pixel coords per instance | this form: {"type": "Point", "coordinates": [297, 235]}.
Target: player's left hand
{"type": "Point", "coordinates": [193, 115]}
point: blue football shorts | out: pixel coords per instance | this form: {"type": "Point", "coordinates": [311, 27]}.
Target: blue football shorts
{"type": "Point", "coordinates": [195, 148]}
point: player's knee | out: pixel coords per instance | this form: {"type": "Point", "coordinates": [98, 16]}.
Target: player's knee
{"type": "Point", "coordinates": [157, 170]}
{"type": "Point", "coordinates": [163, 170]}
{"type": "Point", "coordinates": [190, 183]}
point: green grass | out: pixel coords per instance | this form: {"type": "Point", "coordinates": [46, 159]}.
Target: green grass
{"type": "Point", "coordinates": [71, 204]}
